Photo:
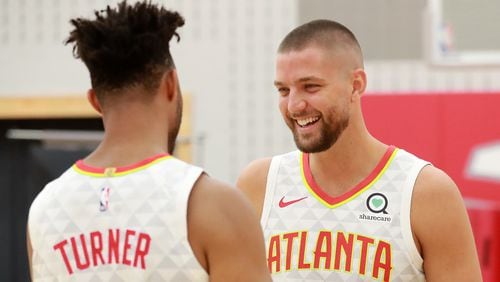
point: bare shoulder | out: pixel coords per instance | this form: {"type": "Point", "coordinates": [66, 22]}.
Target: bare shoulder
{"type": "Point", "coordinates": [435, 192]}
{"type": "Point", "coordinates": [212, 190]}
{"type": "Point", "coordinates": [442, 229]}
{"type": "Point", "coordinates": [433, 184]}
{"type": "Point", "coordinates": [435, 198]}
{"type": "Point", "coordinates": [252, 182]}
{"type": "Point", "coordinates": [212, 200]}
{"type": "Point", "coordinates": [224, 232]}
{"type": "Point", "coordinates": [431, 177]}
{"type": "Point", "coordinates": [254, 173]}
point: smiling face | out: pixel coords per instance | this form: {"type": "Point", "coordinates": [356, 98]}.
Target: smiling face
{"type": "Point", "coordinates": [315, 89]}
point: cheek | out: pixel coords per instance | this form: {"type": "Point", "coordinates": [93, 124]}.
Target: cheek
{"type": "Point", "coordinates": [283, 105]}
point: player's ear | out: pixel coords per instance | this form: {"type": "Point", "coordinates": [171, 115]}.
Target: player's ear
{"type": "Point", "coordinates": [358, 83]}
{"type": "Point", "coordinates": [92, 97]}
{"type": "Point", "coordinates": [170, 83]}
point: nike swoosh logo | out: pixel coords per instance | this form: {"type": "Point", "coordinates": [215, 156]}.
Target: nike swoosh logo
{"type": "Point", "coordinates": [283, 204]}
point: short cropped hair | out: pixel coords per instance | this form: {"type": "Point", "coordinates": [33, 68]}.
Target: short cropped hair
{"type": "Point", "coordinates": [126, 46]}
{"type": "Point", "coordinates": [324, 33]}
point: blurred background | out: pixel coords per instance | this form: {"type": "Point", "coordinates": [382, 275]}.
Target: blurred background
{"type": "Point", "coordinates": [433, 89]}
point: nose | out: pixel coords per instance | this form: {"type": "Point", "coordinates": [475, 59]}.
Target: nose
{"type": "Point", "coordinates": [296, 103]}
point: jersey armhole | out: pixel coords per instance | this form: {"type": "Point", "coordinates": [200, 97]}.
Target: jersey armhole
{"type": "Point", "coordinates": [270, 188]}
{"type": "Point", "coordinates": [191, 178]}
{"type": "Point", "coordinates": [415, 257]}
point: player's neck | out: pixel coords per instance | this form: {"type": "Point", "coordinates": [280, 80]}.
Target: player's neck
{"type": "Point", "coordinates": [130, 138]}
{"type": "Point", "coordinates": [350, 160]}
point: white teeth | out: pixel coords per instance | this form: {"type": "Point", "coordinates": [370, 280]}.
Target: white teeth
{"type": "Point", "coordinates": [306, 121]}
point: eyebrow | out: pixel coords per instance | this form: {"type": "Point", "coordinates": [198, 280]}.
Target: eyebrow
{"type": "Point", "coordinates": [309, 78]}
{"type": "Point", "coordinates": [277, 83]}
{"type": "Point", "coordinates": [303, 79]}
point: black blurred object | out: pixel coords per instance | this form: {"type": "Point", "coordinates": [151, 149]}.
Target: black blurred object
{"type": "Point", "coordinates": [25, 167]}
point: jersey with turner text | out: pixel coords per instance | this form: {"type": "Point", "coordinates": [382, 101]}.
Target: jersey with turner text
{"type": "Point", "coordinates": [363, 235]}
{"type": "Point", "coordinates": [115, 224]}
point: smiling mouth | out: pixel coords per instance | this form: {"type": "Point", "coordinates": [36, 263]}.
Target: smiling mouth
{"type": "Point", "coordinates": [306, 121]}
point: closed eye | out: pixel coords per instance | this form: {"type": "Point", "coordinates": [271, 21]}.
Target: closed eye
{"type": "Point", "coordinates": [311, 88]}
{"type": "Point", "coordinates": [283, 91]}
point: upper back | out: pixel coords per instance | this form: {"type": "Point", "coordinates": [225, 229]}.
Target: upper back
{"type": "Point", "coordinates": [126, 223]}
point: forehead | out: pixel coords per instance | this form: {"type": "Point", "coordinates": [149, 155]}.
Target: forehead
{"type": "Point", "coordinates": [310, 62]}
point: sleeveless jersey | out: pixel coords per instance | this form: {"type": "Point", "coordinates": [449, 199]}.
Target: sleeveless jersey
{"type": "Point", "coordinates": [115, 224]}
{"type": "Point", "coordinates": [363, 235]}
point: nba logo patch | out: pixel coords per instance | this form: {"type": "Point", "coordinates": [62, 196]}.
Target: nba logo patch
{"type": "Point", "coordinates": [104, 199]}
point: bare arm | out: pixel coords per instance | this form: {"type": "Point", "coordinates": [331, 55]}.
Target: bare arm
{"type": "Point", "coordinates": [442, 229]}
{"type": "Point", "coordinates": [225, 234]}
{"type": "Point", "coordinates": [252, 182]}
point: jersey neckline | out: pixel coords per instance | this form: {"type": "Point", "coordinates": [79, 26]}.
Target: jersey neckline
{"type": "Point", "coordinates": [333, 202]}
{"type": "Point", "coordinates": [85, 169]}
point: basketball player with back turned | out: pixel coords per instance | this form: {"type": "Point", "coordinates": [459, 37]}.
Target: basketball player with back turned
{"type": "Point", "coordinates": [345, 206]}
{"type": "Point", "coordinates": [130, 211]}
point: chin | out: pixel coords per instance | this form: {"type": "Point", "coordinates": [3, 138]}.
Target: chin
{"type": "Point", "coordinates": [314, 146]}
{"type": "Point", "coordinates": [310, 149]}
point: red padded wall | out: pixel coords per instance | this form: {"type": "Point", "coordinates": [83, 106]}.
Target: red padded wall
{"type": "Point", "coordinates": [444, 128]}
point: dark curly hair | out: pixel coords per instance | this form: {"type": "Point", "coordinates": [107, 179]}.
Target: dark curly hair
{"type": "Point", "coordinates": [125, 46]}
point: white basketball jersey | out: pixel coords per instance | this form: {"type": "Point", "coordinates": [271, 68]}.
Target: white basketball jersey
{"type": "Point", "coordinates": [116, 224]}
{"type": "Point", "coordinates": [363, 235]}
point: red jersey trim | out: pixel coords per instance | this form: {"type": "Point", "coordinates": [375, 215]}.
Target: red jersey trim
{"type": "Point", "coordinates": [82, 168]}
{"type": "Point", "coordinates": [366, 183]}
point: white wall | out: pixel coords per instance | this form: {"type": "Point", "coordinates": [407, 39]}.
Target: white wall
{"type": "Point", "coordinates": [419, 76]}
{"type": "Point", "coordinates": [225, 59]}
{"type": "Point", "coordinates": [33, 59]}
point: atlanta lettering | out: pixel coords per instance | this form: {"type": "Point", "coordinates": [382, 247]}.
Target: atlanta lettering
{"type": "Point", "coordinates": [126, 247]}
{"type": "Point", "coordinates": [331, 251]}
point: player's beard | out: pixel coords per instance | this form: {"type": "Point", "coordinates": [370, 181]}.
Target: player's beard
{"type": "Point", "coordinates": [173, 130]}
{"type": "Point", "coordinates": [331, 127]}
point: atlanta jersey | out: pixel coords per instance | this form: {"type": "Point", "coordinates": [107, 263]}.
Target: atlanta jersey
{"type": "Point", "coordinates": [115, 224]}
{"type": "Point", "coordinates": [363, 235]}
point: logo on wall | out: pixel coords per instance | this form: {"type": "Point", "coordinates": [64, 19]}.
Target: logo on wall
{"type": "Point", "coordinates": [377, 203]}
